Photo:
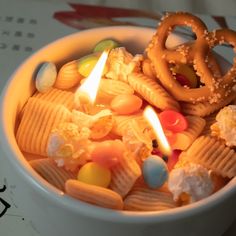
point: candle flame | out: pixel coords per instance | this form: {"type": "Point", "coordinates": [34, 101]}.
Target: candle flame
{"type": "Point", "coordinates": [91, 84]}
{"type": "Point", "coordinates": [154, 121]}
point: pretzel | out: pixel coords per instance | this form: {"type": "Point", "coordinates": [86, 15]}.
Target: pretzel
{"type": "Point", "coordinates": [225, 83]}
{"type": "Point", "coordinates": [196, 53]}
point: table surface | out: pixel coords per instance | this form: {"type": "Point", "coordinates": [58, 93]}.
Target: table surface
{"type": "Point", "coordinates": [22, 32]}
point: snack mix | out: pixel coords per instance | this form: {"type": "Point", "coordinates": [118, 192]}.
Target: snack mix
{"type": "Point", "coordinates": [107, 154]}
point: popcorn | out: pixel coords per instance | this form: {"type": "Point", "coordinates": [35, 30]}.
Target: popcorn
{"type": "Point", "coordinates": [69, 146]}
{"type": "Point", "coordinates": [121, 63]}
{"type": "Point", "coordinates": [100, 124]}
{"type": "Point", "coordinates": [138, 142]}
{"type": "Point", "coordinates": [190, 183]}
{"type": "Point", "coordinates": [226, 125]}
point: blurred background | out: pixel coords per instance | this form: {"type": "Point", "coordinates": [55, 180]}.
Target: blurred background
{"type": "Point", "coordinates": [217, 7]}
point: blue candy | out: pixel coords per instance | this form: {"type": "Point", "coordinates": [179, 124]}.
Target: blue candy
{"type": "Point", "coordinates": [155, 171]}
{"type": "Point", "coordinates": [46, 77]}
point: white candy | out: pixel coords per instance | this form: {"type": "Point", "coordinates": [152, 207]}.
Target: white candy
{"type": "Point", "coordinates": [46, 77]}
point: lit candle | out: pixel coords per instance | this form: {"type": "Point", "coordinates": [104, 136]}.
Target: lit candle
{"type": "Point", "coordinates": [151, 116]}
{"type": "Point", "coordinates": [85, 96]}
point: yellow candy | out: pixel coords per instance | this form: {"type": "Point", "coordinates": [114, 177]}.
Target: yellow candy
{"type": "Point", "coordinates": [92, 173]}
{"type": "Point", "coordinates": [188, 72]}
{"type": "Point", "coordinates": [87, 63]}
{"type": "Point", "coordinates": [105, 44]}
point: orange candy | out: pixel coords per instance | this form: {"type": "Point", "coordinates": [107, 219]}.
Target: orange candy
{"type": "Point", "coordinates": [108, 153]}
{"type": "Point", "coordinates": [125, 104]}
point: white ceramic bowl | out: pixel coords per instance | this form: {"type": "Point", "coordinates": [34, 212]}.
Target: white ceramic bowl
{"type": "Point", "coordinates": [52, 212]}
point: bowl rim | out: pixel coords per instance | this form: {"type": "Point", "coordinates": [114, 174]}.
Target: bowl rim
{"type": "Point", "coordinates": [62, 200]}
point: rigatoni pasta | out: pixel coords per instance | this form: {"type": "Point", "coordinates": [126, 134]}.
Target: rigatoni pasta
{"type": "Point", "coordinates": [214, 155]}
{"type": "Point", "coordinates": [144, 199]}
{"type": "Point", "coordinates": [57, 176]}
{"type": "Point", "coordinates": [152, 91]}
{"type": "Point", "coordinates": [125, 174]}
{"type": "Point", "coordinates": [37, 122]}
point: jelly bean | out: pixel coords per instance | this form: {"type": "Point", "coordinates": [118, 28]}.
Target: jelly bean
{"type": "Point", "coordinates": [172, 160]}
{"type": "Point", "coordinates": [125, 104]}
{"type": "Point", "coordinates": [188, 73]}
{"type": "Point", "coordinates": [105, 44]}
{"type": "Point", "coordinates": [87, 63]}
{"type": "Point", "coordinates": [108, 153]}
{"type": "Point", "coordinates": [46, 77]}
{"type": "Point", "coordinates": [182, 80]}
{"type": "Point", "coordinates": [155, 171]}
{"type": "Point", "coordinates": [173, 121]}
{"type": "Point", "coordinates": [92, 173]}
{"type": "Point", "coordinates": [156, 152]}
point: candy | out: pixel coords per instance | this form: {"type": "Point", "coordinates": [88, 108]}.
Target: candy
{"type": "Point", "coordinates": [173, 121]}
{"type": "Point", "coordinates": [186, 75]}
{"type": "Point", "coordinates": [46, 77]}
{"type": "Point", "coordinates": [172, 160]}
{"type": "Point", "coordinates": [108, 153]}
{"type": "Point", "coordinates": [182, 80]}
{"type": "Point", "coordinates": [125, 104]}
{"type": "Point", "coordinates": [87, 63]}
{"type": "Point", "coordinates": [92, 173]}
{"type": "Point", "coordinates": [155, 171]}
{"type": "Point", "coordinates": [105, 44]}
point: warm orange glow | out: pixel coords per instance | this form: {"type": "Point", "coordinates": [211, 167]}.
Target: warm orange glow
{"type": "Point", "coordinates": [89, 89]}
{"type": "Point", "coordinates": [154, 121]}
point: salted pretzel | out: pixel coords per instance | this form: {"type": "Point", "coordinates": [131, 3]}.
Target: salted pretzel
{"type": "Point", "coordinates": [214, 85]}
{"type": "Point", "coordinates": [225, 82]}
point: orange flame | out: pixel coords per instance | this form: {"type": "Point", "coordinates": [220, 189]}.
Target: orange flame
{"type": "Point", "coordinates": [154, 121]}
{"type": "Point", "coordinates": [90, 87]}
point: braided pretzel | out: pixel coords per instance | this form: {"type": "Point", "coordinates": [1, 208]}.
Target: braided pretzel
{"type": "Point", "coordinates": [197, 52]}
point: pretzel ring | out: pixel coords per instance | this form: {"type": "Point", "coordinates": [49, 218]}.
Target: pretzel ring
{"type": "Point", "coordinates": [222, 85]}
{"type": "Point", "coordinates": [185, 53]}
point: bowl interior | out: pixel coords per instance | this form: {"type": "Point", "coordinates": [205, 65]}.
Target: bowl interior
{"type": "Point", "coordinates": [20, 87]}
